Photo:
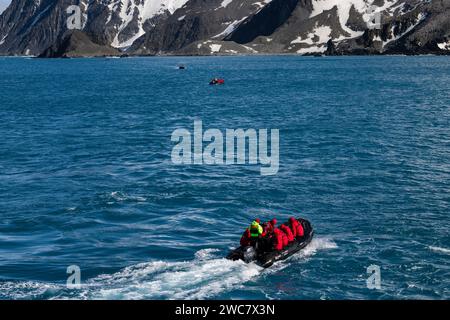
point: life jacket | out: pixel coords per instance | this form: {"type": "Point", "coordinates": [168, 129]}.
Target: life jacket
{"type": "Point", "coordinates": [255, 230]}
{"type": "Point", "coordinates": [288, 232]}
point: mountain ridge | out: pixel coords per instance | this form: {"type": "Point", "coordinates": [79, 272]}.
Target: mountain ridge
{"type": "Point", "coordinates": [228, 27]}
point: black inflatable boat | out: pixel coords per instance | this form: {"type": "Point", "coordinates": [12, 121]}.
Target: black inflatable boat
{"type": "Point", "coordinates": [267, 258]}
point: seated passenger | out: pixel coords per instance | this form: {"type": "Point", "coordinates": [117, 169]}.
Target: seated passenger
{"type": "Point", "coordinates": [296, 227]}
{"type": "Point", "coordinates": [255, 229]}
{"type": "Point", "coordinates": [246, 238]}
{"type": "Point", "coordinates": [288, 232]}
{"type": "Point", "coordinates": [285, 239]}
{"type": "Point", "coordinates": [270, 226]}
{"type": "Point", "coordinates": [277, 239]}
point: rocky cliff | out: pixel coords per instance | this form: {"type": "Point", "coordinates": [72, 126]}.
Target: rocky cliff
{"type": "Point", "coordinates": [208, 27]}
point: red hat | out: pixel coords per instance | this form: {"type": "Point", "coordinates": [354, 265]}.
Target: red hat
{"type": "Point", "coordinates": [258, 220]}
{"type": "Point", "coordinates": [291, 219]}
{"type": "Point", "coordinates": [273, 221]}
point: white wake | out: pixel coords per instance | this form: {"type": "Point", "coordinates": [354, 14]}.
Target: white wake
{"type": "Point", "coordinates": [206, 276]}
{"type": "Point", "coordinates": [439, 249]}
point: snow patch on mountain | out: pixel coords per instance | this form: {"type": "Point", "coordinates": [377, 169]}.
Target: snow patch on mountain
{"type": "Point", "coordinates": [3, 40]}
{"type": "Point", "coordinates": [262, 4]}
{"type": "Point", "coordinates": [397, 8]}
{"type": "Point", "coordinates": [444, 45]}
{"type": "Point", "coordinates": [225, 3]}
{"type": "Point", "coordinates": [215, 48]}
{"type": "Point", "coordinates": [315, 41]}
{"type": "Point", "coordinates": [229, 29]}
{"type": "Point", "coordinates": [2, 7]}
{"type": "Point", "coordinates": [393, 37]}
{"type": "Point", "coordinates": [313, 49]}
{"type": "Point", "coordinates": [146, 9]}
{"type": "Point", "coordinates": [364, 7]}
{"type": "Point", "coordinates": [321, 34]}
{"type": "Point", "coordinates": [250, 49]}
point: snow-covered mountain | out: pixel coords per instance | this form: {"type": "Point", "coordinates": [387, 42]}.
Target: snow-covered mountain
{"type": "Point", "coordinates": [131, 17]}
{"type": "Point", "coordinates": [148, 27]}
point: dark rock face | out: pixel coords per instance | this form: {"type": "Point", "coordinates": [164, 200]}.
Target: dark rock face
{"type": "Point", "coordinates": [433, 31]}
{"type": "Point", "coordinates": [331, 49]}
{"type": "Point", "coordinates": [77, 44]}
{"type": "Point", "coordinates": [197, 20]}
{"type": "Point", "coordinates": [29, 27]}
{"type": "Point", "coordinates": [215, 47]}
{"type": "Point", "coordinates": [264, 22]}
{"type": "Point", "coordinates": [25, 25]}
{"type": "Point", "coordinates": [418, 31]}
{"type": "Point", "coordinates": [210, 27]}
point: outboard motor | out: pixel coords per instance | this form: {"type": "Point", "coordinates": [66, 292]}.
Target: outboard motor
{"type": "Point", "coordinates": [249, 254]}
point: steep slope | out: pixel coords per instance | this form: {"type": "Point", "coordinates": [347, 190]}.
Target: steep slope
{"type": "Point", "coordinates": [29, 27]}
{"type": "Point", "coordinates": [432, 34]}
{"type": "Point", "coordinates": [77, 44]}
{"type": "Point", "coordinates": [197, 20]}
{"type": "Point", "coordinates": [133, 18]}
{"type": "Point", "coordinates": [265, 21]}
{"type": "Point", "coordinates": [360, 27]}
{"type": "Point", "coordinates": [24, 24]}
{"type": "Point", "coordinates": [418, 29]}
{"type": "Point", "coordinates": [151, 27]}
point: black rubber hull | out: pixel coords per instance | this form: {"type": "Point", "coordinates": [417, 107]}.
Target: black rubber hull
{"type": "Point", "coordinates": [266, 259]}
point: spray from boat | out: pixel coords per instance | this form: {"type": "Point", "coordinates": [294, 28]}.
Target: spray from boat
{"type": "Point", "coordinates": [206, 276]}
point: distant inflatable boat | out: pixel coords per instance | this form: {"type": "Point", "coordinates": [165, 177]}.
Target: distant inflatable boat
{"type": "Point", "coordinates": [217, 81]}
{"type": "Point", "coordinates": [266, 259]}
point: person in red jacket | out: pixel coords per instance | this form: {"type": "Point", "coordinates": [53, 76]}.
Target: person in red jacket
{"type": "Point", "coordinates": [285, 239]}
{"type": "Point", "coordinates": [296, 227]}
{"type": "Point", "coordinates": [293, 223]}
{"type": "Point", "coordinates": [269, 226]}
{"type": "Point", "coordinates": [288, 232]}
{"type": "Point", "coordinates": [246, 239]}
{"type": "Point", "coordinates": [273, 223]}
{"type": "Point", "coordinates": [277, 239]}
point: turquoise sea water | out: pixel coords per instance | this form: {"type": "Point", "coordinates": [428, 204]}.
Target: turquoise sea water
{"type": "Point", "coordinates": [86, 177]}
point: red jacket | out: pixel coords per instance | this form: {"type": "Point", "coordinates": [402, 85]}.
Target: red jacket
{"type": "Point", "coordinates": [246, 238]}
{"type": "Point", "coordinates": [268, 227]}
{"type": "Point", "coordinates": [278, 239]}
{"type": "Point", "coordinates": [297, 228]}
{"type": "Point", "coordinates": [285, 239]}
{"type": "Point", "coordinates": [294, 225]}
{"type": "Point", "coordinates": [288, 232]}
{"type": "Point", "coordinates": [300, 230]}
